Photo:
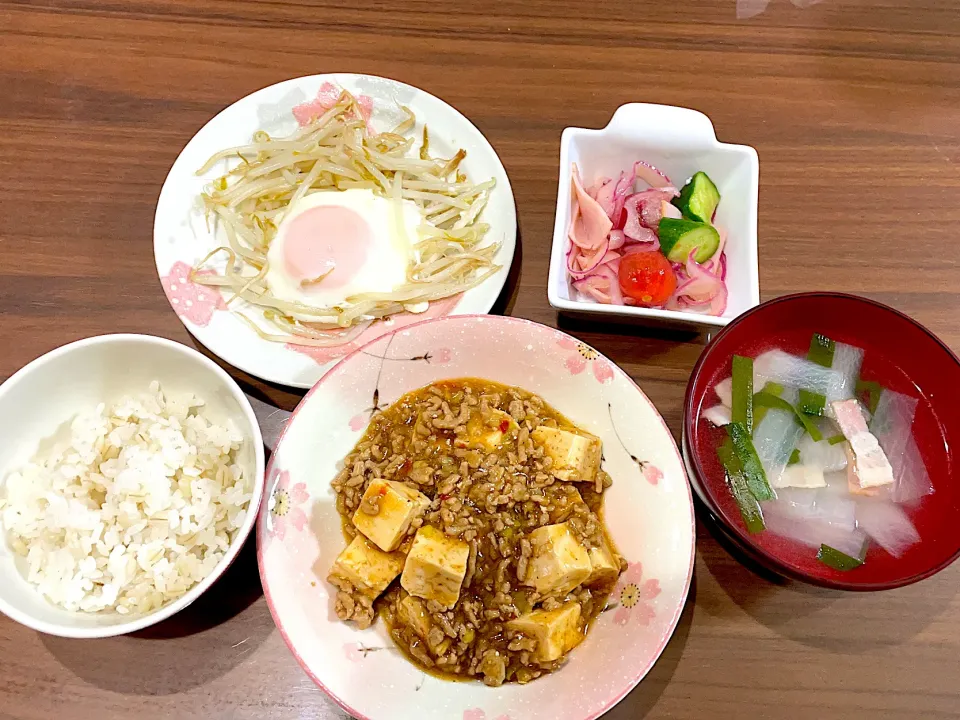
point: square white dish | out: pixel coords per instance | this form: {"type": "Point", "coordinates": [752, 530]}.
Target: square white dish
{"type": "Point", "coordinates": [679, 142]}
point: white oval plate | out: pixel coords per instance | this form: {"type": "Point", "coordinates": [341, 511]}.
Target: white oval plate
{"type": "Point", "coordinates": [649, 513]}
{"type": "Point", "coordinates": [181, 237]}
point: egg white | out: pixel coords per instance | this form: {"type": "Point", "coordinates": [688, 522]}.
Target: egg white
{"type": "Point", "coordinates": [392, 235]}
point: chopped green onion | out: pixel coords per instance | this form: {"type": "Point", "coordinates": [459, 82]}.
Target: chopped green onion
{"type": "Point", "coordinates": [742, 405]}
{"type": "Point", "coordinates": [765, 399]}
{"type": "Point", "coordinates": [752, 468]}
{"type": "Point", "coordinates": [821, 350]}
{"type": "Point", "coordinates": [773, 388]}
{"type": "Point", "coordinates": [836, 439]}
{"type": "Point", "coordinates": [869, 391]}
{"type": "Point", "coordinates": [837, 560]}
{"type": "Point", "coordinates": [794, 457]}
{"type": "Point", "coordinates": [746, 502]}
{"type": "Point", "coordinates": [811, 403]}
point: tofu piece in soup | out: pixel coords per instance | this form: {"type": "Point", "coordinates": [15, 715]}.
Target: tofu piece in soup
{"type": "Point", "coordinates": [435, 567]}
{"type": "Point", "coordinates": [556, 631]}
{"type": "Point", "coordinates": [559, 561]}
{"type": "Point", "coordinates": [386, 511]}
{"type": "Point", "coordinates": [575, 457]}
{"type": "Point", "coordinates": [366, 567]}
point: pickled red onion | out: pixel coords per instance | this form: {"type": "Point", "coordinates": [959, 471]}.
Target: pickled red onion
{"type": "Point", "coordinates": [652, 177]}
{"type": "Point", "coordinates": [604, 196]}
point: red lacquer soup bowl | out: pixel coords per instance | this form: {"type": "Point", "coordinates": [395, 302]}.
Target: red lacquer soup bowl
{"type": "Point", "coordinates": [901, 355]}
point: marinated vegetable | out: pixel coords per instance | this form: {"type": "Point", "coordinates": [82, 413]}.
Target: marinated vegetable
{"type": "Point", "coordinates": [613, 219]}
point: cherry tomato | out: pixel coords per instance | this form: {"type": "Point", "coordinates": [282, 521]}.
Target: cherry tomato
{"type": "Point", "coordinates": [647, 277]}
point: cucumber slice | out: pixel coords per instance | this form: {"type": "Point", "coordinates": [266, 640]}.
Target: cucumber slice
{"type": "Point", "coordinates": [698, 199]}
{"type": "Point", "coordinates": [679, 237]}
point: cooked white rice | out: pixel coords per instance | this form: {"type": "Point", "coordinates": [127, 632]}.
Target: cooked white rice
{"type": "Point", "coordinates": [134, 507]}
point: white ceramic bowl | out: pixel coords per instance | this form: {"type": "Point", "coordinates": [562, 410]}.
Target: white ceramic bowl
{"type": "Point", "coordinates": [648, 509]}
{"type": "Point", "coordinates": [679, 142]}
{"type": "Point", "coordinates": [49, 391]}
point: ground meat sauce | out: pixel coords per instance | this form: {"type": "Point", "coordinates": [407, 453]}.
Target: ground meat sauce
{"type": "Point", "coordinates": [491, 499]}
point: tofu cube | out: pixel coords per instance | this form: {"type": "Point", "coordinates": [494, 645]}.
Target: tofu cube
{"type": "Point", "coordinates": [556, 631]}
{"type": "Point", "coordinates": [366, 567]}
{"type": "Point", "coordinates": [411, 611]}
{"type": "Point", "coordinates": [604, 566]}
{"type": "Point", "coordinates": [559, 561]}
{"type": "Point", "coordinates": [435, 567]}
{"type": "Point", "coordinates": [396, 504]}
{"type": "Point", "coordinates": [575, 457]}
{"type": "Point", "coordinates": [491, 433]}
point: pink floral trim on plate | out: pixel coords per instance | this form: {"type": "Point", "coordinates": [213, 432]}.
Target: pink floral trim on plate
{"type": "Point", "coordinates": [584, 355]}
{"type": "Point", "coordinates": [651, 472]}
{"type": "Point", "coordinates": [634, 596]}
{"type": "Point", "coordinates": [324, 355]}
{"type": "Point", "coordinates": [478, 714]}
{"type": "Point", "coordinates": [327, 97]}
{"type": "Point", "coordinates": [191, 301]}
{"type": "Point", "coordinates": [285, 505]}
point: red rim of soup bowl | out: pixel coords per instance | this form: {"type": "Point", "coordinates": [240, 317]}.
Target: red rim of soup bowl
{"type": "Point", "coordinates": [890, 342]}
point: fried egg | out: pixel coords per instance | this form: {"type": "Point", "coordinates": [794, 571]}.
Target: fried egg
{"type": "Point", "coordinates": [334, 244]}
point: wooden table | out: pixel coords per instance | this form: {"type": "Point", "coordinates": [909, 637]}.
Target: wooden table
{"type": "Point", "coordinates": [853, 106]}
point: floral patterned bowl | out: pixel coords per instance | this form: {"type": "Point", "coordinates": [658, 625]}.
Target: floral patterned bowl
{"type": "Point", "coordinates": [649, 512]}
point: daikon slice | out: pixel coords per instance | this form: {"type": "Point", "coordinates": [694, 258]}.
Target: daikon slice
{"type": "Point", "coordinates": [796, 372]}
{"type": "Point", "coordinates": [892, 424]}
{"type": "Point", "coordinates": [775, 438]}
{"type": "Point", "coordinates": [822, 455]}
{"type": "Point", "coordinates": [912, 479]}
{"type": "Point", "coordinates": [887, 524]}
{"type": "Point", "coordinates": [785, 520]}
{"type": "Point", "coordinates": [818, 504]}
{"type": "Point", "coordinates": [847, 360]}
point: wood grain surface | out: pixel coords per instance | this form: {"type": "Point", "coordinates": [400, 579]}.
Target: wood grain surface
{"type": "Point", "coordinates": [853, 106]}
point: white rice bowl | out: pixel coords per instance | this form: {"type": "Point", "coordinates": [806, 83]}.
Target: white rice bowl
{"type": "Point", "coordinates": [136, 505]}
{"type": "Point", "coordinates": [121, 501]}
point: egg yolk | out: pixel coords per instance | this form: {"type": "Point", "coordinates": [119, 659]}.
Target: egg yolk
{"type": "Point", "coordinates": [326, 241]}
